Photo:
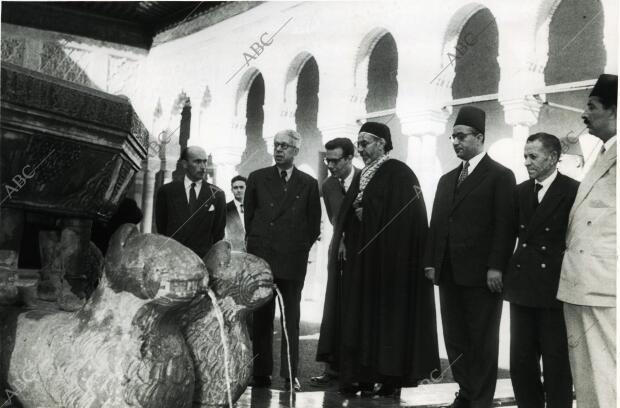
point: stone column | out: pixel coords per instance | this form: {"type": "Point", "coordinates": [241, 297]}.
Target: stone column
{"type": "Point", "coordinates": [521, 114]}
{"type": "Point", "coordinates": [74, 252]}
{"type": "Point", "coordinates": [138, 186]}
{"type": "Point", "coordinates": [151, 166]}
{"type": "Point", "coordinates": [423, 128]}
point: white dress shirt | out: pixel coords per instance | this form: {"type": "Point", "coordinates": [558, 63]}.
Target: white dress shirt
{"type": "Point", "coordinates": [545, 185]}
{"type": "Point", "coordinates": [289, 172]}
{"type": "Point", "coordinates": [188, 186]}
{"type": "Point", "coordinates": [608, 144]}
{"type": "Point", "coordinates": [473, 162]}
{"type": "Point", "coordinates": [239, 211]}
{"type": "Point", "coordinates": [348, 180]}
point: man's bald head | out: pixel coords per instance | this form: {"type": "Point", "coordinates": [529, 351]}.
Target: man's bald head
{"type": "Point", "coordinates": [194, 161]}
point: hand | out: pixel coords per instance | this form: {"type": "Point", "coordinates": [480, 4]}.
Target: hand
{"type": "Point", "coordinates": [358, 213]}
{"type": "Point", "coordinates": [429, 272]}
{"type": "Point", "coordinates": [494, 280]}
{"type": "Point", "coordinates": [342, 251]}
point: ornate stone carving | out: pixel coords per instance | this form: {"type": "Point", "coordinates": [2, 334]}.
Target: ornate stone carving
{"type": "Point", "coordinates": [148, 337]}
{"type": "Point", "coordinates": [13, 50]}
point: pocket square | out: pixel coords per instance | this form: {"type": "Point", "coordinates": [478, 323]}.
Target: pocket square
{"type": "Point", "coordinates": [212, 208]}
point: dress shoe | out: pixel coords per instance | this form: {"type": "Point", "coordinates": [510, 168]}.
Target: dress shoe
{"type": "Point", "coordinates": [351, 390]}
{"type": "Point", "coordinates": [296, 385]}
{"type": "Point", "coordinates": [261, 381]}
{"type": "Point", "coordinates": [459, 402]}
{"type": "Point", "coordinates": [322, 380]}
{"type": "Point", "coordinates": [388, 391]}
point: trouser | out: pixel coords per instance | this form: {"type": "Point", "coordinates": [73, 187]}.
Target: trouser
{"type": "Point", "coordinates": [470, 318]}
{"type": "Point", "coordinates": [262, 330]}
{"type": "Point", "coordinates": [535, 333]}
{"type": "Point", "coordinates": [591, 334]}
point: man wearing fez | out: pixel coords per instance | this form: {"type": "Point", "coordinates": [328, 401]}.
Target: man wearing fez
{"type": "Point", "coordinates": [588, 278]}
{"type": "Point", "coordinates": [531, 283]}
{"type": "Point", "coordinates": [339, 154]}
{"type": "Point", "coordinates": [282, 212]}
{"type": "Point", "coordinates": [192, 211]}
{"type": "Point", "coordinates": [470, 241]}
{"type": "Point", "coordinates": [388, 328]}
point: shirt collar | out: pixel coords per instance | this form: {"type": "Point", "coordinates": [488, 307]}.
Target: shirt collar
{"type": "Point", "coordinates": [187, 182]}
{"type": "Point", "coordinates": [347, 180]}
{"type": "Point", "coordinates": [547, 182]}
{"type": "Point", "coordinates": [289, 172]}
{"type": "Point", "coordinates": [473, 162]}
{"type": "Point", "coordinates": [608, 144]}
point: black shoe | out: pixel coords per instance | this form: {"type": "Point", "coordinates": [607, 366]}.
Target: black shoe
{"type": "Point", "coordinates": [459, 402]}
{"type": "Point", "coordinates": [323, 380]}
{"type": "Point", "coordinates": [388, 391]}
{"type": "Point", "coordinates": [296, 385]}
{"type": "Point", "coordinates": [261, 381]}
{"type": "Point", "coordinates": [348, 390]}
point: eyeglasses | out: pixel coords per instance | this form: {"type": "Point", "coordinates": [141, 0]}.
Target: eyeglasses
{"type": "Point", "coordinates": [460, 136]}
{"type": "Point", "coordinates": [362, 144]}
{"type": "Point", "coordinates": [332, 161]}
{"type": "Point", "coordinates": [282, 146]}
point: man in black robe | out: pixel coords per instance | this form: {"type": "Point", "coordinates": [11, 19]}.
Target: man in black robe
{"type": "Point", "coordinates": [388, 333]}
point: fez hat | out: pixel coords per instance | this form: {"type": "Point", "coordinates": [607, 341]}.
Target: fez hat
{"type": "Point", "coordinates": [606, 88]}
{"type": "Point", "coordinates": [380, 130]}
{"type": "Point", "coordinates": [472, 117]}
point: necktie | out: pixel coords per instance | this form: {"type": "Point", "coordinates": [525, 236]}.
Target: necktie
{"type": "Point", "coordinates": [464, 173]}
{"type": "Point", "coordinates": [535, 202]}
{"type": "Point", "coordinates": [344, 190]}
{"type": "Point", "coordinates": [193, 201]}
{"type": "Point", "coordinates": [241, 208]}
{"type": "Point", "coordinates": [283, 176]}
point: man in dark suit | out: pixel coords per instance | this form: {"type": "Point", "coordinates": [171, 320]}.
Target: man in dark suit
{"type": "Point", "coordinates": [282, 221]}
{"type": "Point", "coordinates": [470, 241]}
{"type": "Point", "coordinates": [537, 326]}
{"type": "Point", "coordinates": [192, 211]}
{"type": "Point", "coordinates": [235, 230]}
{"type": "Point", "coordinates": [339, 154]}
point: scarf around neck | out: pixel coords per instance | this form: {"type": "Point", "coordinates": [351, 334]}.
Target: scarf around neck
{"type": "Point", "coordinates": [368, 173]}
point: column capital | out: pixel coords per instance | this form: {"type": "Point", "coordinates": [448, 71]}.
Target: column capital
{"type": "Point", "coordinates": [521, 111]}
{"type": "Point", "coordinates": [425, 122]}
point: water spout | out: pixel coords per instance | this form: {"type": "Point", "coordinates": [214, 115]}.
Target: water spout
{"type": "Point", "coordinates": [288, 343]}
{"type": "Point", "coordinates": [220, 320]}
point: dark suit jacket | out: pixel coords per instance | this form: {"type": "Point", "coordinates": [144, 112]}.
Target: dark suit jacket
{"type": "Point", "coordinates": [282, 223]}
{"type": "Point", "coordinates": [533, 272]}
{"type": "Point", "coordinates": [472, 224]}
{"type": "Point", "coordinates": [235, 233]}
{"type": "Point", "coordinates": [333, 195]}
{"type": "Point", "coordinates": [204, 228]}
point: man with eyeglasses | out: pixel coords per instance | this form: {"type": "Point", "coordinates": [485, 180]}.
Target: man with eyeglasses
{"type": "Point", "coordinates": [282, 215]}
{"type": "Point", "coordinates": [339, 154]}
{"type": "Point", "coordinates": [470, 241]}
{"type": "Point", "coordinates": [388, 332]}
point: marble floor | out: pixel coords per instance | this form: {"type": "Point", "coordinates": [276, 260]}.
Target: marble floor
{"type": "Point", "coordinates": [426, 396]}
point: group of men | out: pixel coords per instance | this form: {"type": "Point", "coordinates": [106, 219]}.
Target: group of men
{"type": "Point", "coordinates": [378, 332]}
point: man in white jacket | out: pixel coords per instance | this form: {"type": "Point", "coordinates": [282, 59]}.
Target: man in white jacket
{"type": "Point", "coordinates": [588, 278]}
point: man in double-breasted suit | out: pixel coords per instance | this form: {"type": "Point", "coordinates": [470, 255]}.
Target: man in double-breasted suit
{"type": "Point", "coordinates": [235, 230]}
{"type": "Point", "coordinates": [339, 155]}
{"type": "Point", "coordinates": [282, 221]}
{"type": "Point", "coordinates": [537, 326]}
{"type": "Point", "coordinates": [192, 211]}
{"type": "Point", "coordinates": [588, 278]}
{"type": "Point", "coordinates": [470, 241]}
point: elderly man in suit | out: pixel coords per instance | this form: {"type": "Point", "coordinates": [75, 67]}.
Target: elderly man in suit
{"type": "Point", "coordinates": [339, 155]}
{"type": "Point", "coordinates": [235, 230]}
{"type": "Point", "coordinates": [470, 241]}
{"type": "Point", "coordinates": [588, 278]}
{"type": "Point", "coordinates": [282, 221]}
{"type": "Point", "coordinates": [536, 320]}
{"type": "Point", "coordinates": [192, 211]}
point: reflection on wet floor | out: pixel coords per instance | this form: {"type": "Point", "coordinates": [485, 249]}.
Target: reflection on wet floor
{"type": "Point", "coordinates": [427, 396]}
{"type": "Point", "coordinates": [435, 395]}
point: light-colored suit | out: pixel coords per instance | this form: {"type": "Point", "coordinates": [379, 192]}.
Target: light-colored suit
{"type": "Point", "coordinates": [588, 285]}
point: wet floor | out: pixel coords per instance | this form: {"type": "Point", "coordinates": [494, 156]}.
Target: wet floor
{"type": "Point", "coordinates": [429, 396]}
